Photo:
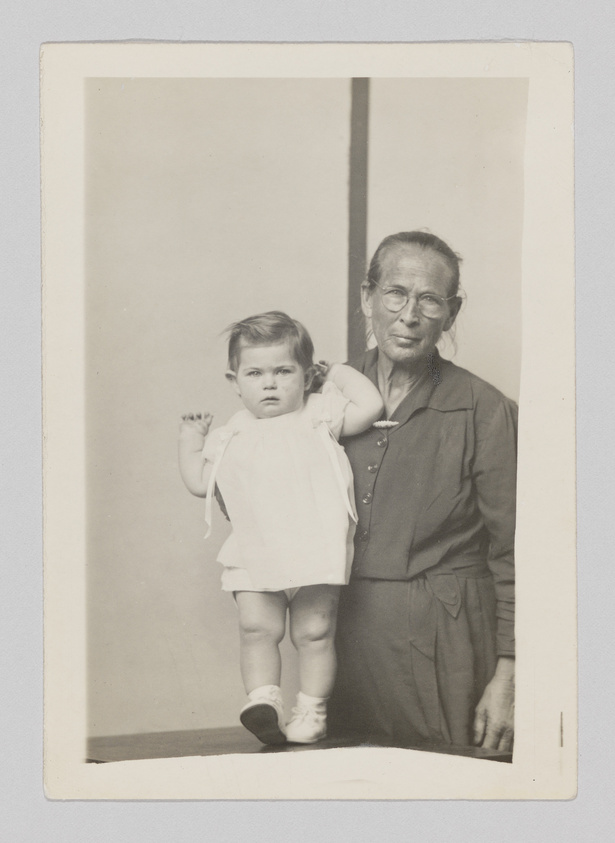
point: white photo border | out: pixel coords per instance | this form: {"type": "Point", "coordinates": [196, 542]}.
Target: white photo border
{"type": "Point", "coordinates": [542, 768]}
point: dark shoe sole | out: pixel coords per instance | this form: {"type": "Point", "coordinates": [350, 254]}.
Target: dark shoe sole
{"type": "Point", "coordinates": [262, 720]}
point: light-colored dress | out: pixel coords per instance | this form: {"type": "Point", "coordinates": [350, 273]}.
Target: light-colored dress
{"type": "Point", "coordinates": [287, 486]}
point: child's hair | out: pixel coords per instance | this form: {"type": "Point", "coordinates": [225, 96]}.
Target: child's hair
{"type": "Point", "coordinates": [274, 328]}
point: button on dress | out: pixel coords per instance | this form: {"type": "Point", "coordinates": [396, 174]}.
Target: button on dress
{"type": "Point", "coordinates": [430, 605]}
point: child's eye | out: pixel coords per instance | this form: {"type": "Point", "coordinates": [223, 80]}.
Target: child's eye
{"type": "Point", "coordinates": [285, 372]}
{"type": "Point", "coordinates": [253, 374]}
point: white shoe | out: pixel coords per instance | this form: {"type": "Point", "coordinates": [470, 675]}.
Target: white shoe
{"type": "Point", "coordinates": [263, 715]}
{"type": "Point", "coordinates": [307, 725]}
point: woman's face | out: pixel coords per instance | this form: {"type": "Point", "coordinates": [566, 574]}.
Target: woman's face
{"type": "Point", "coordinates": [407, 337]}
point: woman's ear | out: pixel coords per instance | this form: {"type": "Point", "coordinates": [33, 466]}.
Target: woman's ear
{"type": "Point", "coordinates": [366, 300]}
{"type": "Point", "coordinates": [232, 379]}
{"type": "Point", "coordinates": [454, 307]}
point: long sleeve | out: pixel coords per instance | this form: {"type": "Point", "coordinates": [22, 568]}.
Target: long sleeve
{"type": "Point", "coordinates": [495, 475]}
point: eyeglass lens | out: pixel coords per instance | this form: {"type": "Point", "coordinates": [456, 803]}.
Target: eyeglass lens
{"type": "Point", "coordinates": [428, 304]}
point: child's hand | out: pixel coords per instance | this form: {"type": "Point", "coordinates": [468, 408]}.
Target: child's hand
{"type": "Point", "coordinates": [322, 367]}
{"type": "Point", "coordinates": [328, 370]}
{"type": "Point", "coordinates": [319, 375]}
{"type": "Point", "coordinates": [196, 423]}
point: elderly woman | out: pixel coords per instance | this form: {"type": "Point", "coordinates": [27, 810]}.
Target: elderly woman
{"type": "Point", "coordinates": [425, 628]}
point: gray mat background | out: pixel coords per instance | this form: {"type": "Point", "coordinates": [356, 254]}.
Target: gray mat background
{"type": "Point", "coordinates": [25, 815]}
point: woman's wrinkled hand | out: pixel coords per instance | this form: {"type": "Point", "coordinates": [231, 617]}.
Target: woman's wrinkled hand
{"type": "Point", "coordinates": [494, 722]}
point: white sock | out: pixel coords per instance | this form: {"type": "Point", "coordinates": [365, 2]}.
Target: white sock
{"type": "Point", "coordinates": [266, 691]}
{"type": "Point", "coordinates": [317, 704]}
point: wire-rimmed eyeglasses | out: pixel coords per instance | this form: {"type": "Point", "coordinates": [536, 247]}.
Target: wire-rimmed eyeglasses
{"type": "Point", "coordinates": [430, 304]}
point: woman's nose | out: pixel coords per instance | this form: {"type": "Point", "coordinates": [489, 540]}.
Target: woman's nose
{"type": "Point", "coordinates": [411, 312]}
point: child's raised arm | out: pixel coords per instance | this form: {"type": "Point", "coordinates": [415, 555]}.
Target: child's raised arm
{"type": "Point", "coordinates": [193, 467]}
{"type": "Point", "coordinates": [366, 403]}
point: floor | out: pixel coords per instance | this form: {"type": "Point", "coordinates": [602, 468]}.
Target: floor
{"type": "Point", "coordinates": [235, 740]}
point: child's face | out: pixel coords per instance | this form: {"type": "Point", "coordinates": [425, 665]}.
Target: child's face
{"type": "Point", "coordinates": [269, 381]}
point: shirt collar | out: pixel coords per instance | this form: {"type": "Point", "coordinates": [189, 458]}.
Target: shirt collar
{"type": "Point", "coordinates": [446, 388]}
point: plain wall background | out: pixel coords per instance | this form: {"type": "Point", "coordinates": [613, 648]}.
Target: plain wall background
{"type": "Point", "coordinates": [447, 155]}
{"type": "Point", "coordinates": [208, 200]}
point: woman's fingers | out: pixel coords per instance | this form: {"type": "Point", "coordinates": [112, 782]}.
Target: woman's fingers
{"type": "Point", "coordinates": [480, 724]}
{"type": "Point", "coordinates": [495, 715]}
{"type": "Point", "coordinates": [499, 737]}
{"type": "Point", "coordinates": [492, 734]}
{"type": "Point", "coordinates": [506, 740]}
{"type": "Point", "coordinates": [492, 738]}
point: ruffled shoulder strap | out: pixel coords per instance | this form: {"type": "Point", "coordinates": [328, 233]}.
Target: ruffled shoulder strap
{"type": "Point", "coordinates": [223, 437]}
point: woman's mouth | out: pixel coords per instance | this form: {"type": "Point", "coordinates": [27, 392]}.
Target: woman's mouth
{"type": "Point", "coordinates": [407, 341]}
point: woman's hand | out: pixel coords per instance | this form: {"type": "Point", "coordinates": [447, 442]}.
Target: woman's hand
{"type": "Point", "coordinates": [494, 722]}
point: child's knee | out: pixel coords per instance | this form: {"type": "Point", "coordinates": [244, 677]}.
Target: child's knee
{"type": "Point", "coordinates": [254, 628]}
{"type": "Point", "coordinates": [316, 630]}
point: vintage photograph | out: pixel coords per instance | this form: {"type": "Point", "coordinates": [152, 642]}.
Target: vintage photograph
{"type": "Point", "coordinates": [304, 319]}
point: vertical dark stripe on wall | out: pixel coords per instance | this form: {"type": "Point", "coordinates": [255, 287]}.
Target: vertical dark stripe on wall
{"type": "Point", "coordinates": [357, 212]}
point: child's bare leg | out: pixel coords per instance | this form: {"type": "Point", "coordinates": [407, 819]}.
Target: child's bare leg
{"type": "Point", "coordinates": [313, 613]}
{"type": "Point", "coordinates": [262, 623]}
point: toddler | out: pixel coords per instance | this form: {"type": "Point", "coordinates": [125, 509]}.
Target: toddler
{"type": "Point", "coordinates": [287, 487]}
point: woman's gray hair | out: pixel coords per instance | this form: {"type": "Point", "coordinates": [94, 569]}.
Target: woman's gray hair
{"type": "Point", "coordinates": [416, 238]}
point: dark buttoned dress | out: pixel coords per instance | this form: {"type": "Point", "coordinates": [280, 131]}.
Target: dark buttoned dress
{"type": "Point", "coordinates": [430, 604]}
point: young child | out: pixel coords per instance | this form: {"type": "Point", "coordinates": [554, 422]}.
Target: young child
{"type": "Point", "coordinates": [287, 487]}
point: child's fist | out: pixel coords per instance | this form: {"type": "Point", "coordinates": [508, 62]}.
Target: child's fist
{"type": "Point", "coordinates": [197, 423]}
